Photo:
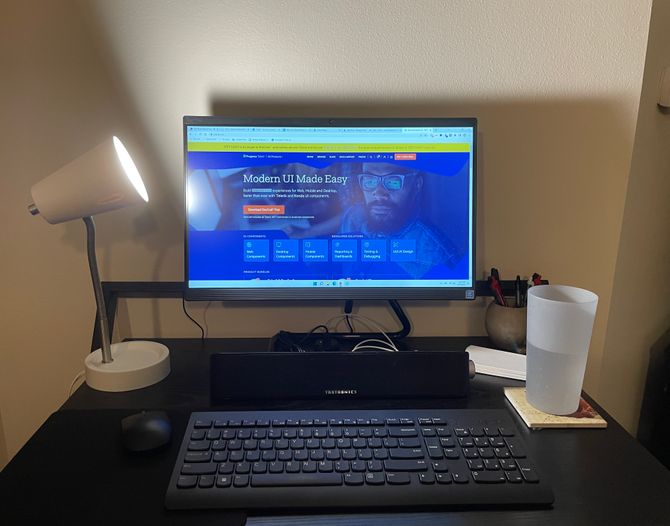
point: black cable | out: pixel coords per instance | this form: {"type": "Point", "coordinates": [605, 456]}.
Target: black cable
{"type": "Point", "coordinates": [202, 331]}
{"type": "Point", "coordinates": [348, 307]}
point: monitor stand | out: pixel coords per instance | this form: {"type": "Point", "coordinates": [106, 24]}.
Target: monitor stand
{"type": "Point", "coordinates": [285, 341]}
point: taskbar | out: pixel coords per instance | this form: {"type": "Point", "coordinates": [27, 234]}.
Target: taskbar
{"type": "Point", "coordinates": [336, 283]}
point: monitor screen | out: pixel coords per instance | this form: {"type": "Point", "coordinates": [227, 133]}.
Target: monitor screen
{"type": "Point", "coordinates": [329, 208]}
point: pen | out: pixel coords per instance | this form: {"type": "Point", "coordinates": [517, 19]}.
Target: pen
{"type": "Point", "coordinates": [517, 289]}
{"type": "Point", "coordinates": [494, 283]}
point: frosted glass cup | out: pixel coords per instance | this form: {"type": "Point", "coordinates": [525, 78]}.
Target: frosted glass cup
{"type": "Point", "coordinates": [559, 326]}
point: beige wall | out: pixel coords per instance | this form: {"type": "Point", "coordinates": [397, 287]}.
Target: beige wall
{"type": "Point", "coordinates": [56, 101]}
{"type": "Point", "coordinates": [640, 312]}
{"type": "Point", "coordinates": [555, 86]}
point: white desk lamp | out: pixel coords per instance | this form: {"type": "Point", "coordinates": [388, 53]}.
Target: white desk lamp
{"type": "Point", "coordinates": [103, 179]}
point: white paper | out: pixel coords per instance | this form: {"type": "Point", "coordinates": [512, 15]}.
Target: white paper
{"type": "Point", "coordinates": [498, 363]}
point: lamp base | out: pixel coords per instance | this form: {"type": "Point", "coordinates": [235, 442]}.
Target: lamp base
{"type": "Point", "coordinates": [136, 364]}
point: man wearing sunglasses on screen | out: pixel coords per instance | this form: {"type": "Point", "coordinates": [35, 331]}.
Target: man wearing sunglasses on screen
{"type": "Point", "coordinates": [390, 208]}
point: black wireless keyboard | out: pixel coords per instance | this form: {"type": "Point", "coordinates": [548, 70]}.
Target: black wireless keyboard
{"type": "Point", "coordinates": [329, 459]}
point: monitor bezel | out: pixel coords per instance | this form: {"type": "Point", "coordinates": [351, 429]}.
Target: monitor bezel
{"type": "Point", "coordinates": [323, 293]}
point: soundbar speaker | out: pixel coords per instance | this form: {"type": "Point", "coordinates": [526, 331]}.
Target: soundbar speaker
{"type": "Point", "coordinates": [343, 375]}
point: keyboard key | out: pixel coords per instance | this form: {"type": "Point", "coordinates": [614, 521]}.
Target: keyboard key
{"type": "Point", "coordinates": [375, 465]}
{"type": "Point", "coordinates": [213, 434]}
{"type": "Point", "coordinates": [240, 481]}
{"type": "Point", "coordinates": [326, 466]}
{"type": "Point", "coordinates": [199, 469]}
{"type": "Point", "coordinates": [206, 481]}
{"type": "Point", "coordinates": [451, 453]}
{"type": "Point", "coordinates": [527, 471]}
{"type": "Point", "coordinates": [439, 421]}
{"type": "Point", "coordinates": [476, 431]}
{"type": "Point", "coordinates": [403, 432]}
{"type": "Point", "coordinates": [219, 445]}
{"type": "Point", "coordinates": [497, 442]}
{"type": "Point", "coordinates": [515, 447]}
{"type": "Point", "coordinates": [202, 424]}
{"type": "Point", "coordinates": [399, 454]}
{"type": "Point", "coordinates": [276, 467]}
{"type": "Point", "coordinates": [308, 466]}
{"type": "Point", "coordinates": [443, 478]}
{"type": "Point", "coordinates": [514, 477]}
{"type": "Point", "coordinates": [301, 454]}
{"type": "Point", "coordinates": [488, 477]}
{"type": "Point", "coordinates": [392, 442]}
{"type": "Point", "coordinates": [259, 467]}
{"type": "Point", "coordinates": [440, 466]}
{"type": "Point", "coordinates": [448, 442]}
{"type": "Point", "coordinates": [342, 466]}
{"type": "Point", "coordinates": [397, 478]}
{"type": "Point", "coordinates": [358, 466]}
{"type": "Point", "coordinates": [405, 465]}
{"type": "Point", "coordinates": [220, 456]}
{"type": "Point", "coordinates": [365, 454]}
{"type": "Point", "coordinates": [198, 456]}
{"type": "Point", "coordinates": [486, 452]}
{"type": "Point", "coordinates": [435, 452]}
{"type": "Point", "coordinates": [481, 442]}
{"type": "Point", "coordinates": [198, 434]}
{"type": "Point", "coordinates": [470, 452]}
{"type": "Point", "coordinates": [375, 478]}
{"type": "Point", "coordinates": [427, 478]}
{"type": "Point", "coordinates": [507, 464]}
{"type": "Point", "coordinates": [297, 479]}
{"type": "Point", "coordinates": [236, 456]}
{"type": "Point", "coordinates": [392, 422]}
{"type": "Point", "coordinates": [224, 481]}
{"type": "Point", "coordinates": [461, 432]}
{"type": "Point", "coordinates": [443, 431]}
{"type": "Point", "coordinates": [491, 464]}
{"type": "Point", "coordinates": [460, 477]}
{"type": "Point", "coordinates": [425, 421]}
{"type": "Point", "coordinates": [491, 431]}
{"type": "Point", "coordinates": [292, 467]}
{"type": "Point", "coordinates": [353, 479]}
{"type": "Point", "coordinates": [243, 468]}
{"type": "Point", "coordinates": [226, 468]}
{"type": "Point", "coordinates": [476, 464]}
{"type": "Point", "coordinates": [501, 452]}
{"type": "Point", "coordinates": [184, 482]}
{"type": "Point", "coordinates": [198, 445]}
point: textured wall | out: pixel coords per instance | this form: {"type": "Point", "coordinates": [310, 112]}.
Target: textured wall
{"type": "Point", "coordinates": [555, 85]}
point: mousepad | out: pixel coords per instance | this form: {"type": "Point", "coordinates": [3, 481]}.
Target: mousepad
{"type": "Point", "coordinates": [75, 470]}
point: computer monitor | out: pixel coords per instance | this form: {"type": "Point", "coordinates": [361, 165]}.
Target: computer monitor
{"type": "Point", "coordinates": [330, 208]}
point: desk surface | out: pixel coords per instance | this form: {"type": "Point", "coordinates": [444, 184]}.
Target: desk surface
{"type": "Point", "coordinates": [598, 476]}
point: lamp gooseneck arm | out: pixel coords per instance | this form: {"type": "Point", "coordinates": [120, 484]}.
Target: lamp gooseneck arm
{"type": "Point", "coordinates": [97, 289]}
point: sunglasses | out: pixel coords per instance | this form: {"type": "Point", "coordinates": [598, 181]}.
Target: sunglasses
{"type": "Point", "coordinates": [392, 182]}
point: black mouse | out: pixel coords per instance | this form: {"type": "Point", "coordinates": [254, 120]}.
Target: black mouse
{"type": "Point", "coordinates": [146, 431]}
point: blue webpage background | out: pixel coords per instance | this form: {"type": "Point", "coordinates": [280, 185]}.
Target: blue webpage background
{"type": "Point", "coordinates": [220, 234]}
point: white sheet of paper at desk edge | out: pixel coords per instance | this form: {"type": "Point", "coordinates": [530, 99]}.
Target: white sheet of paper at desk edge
{"type": "Point", "coordinates": [498, 363]}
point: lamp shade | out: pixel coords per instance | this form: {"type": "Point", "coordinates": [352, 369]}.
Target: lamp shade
{"type": "Point", "coordinates": [104, 178]}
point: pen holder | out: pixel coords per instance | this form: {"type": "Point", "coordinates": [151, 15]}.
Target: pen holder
{"type": "Point", "coordinates": [506, 327]}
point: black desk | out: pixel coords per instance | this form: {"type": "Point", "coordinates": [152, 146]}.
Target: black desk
{"type": "Point", "coordinates": [74, 469]}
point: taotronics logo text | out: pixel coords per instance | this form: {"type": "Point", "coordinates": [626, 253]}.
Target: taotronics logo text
{"type": "Point", "coordinates": [341, 391]}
